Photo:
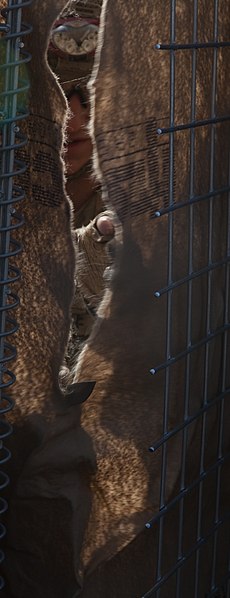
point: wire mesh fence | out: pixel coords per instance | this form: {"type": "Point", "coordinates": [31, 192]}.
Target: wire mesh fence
{"type": "Point", "coordinates": [206, 534]}
{"type": "Point", "coordinates": [12, 87]}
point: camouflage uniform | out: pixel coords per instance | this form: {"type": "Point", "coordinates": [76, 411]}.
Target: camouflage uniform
{"type": "Point", "coordinates": [92, 260]}
{"type": "Point", "coordinates": [92, 256]}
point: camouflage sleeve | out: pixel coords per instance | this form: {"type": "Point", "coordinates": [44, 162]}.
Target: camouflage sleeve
{"type": "Point", "coordinates": [92, 258]}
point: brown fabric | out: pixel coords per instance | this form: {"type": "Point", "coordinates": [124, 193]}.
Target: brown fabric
{"type": "Point", "coordinates": [125, 413]}
{"type": "Point", "coordinates": [46, 289]}
{"type": "Point", "coordinates": [47, 261]}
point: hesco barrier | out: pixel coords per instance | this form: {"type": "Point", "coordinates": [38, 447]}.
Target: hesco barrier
{"type": "Point", "coordinates": [163, 150]}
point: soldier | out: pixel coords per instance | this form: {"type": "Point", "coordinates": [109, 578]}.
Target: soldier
{"type": "Point", "coordinates": [71, 56]}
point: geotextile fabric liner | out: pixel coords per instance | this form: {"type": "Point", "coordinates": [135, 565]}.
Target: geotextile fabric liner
{"type": "Point", "coordinates": [118, 483]}
{"type": "Point", "coordinates": [47, 260]}
{"type": "Point", "coordinates": [136, 92]}
{"type": "Point", "coordinates": [46, 290]}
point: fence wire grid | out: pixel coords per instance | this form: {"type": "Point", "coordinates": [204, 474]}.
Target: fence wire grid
{"type": "Point", "coordinates": [168, 582]}
{"type": "Point", "coordinates": [12, 87]}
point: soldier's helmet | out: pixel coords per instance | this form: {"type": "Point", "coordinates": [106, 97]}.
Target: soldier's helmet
{"type": "Point", "coordinates": [73, 42]}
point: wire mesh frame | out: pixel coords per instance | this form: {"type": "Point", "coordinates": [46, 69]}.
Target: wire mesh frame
{"type": "Point", "coordinates": [12, 31]}
{"type": "Point", "coordinates": [222, 589]}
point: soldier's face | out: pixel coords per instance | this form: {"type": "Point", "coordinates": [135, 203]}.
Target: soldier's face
{"type": "Point", "coordinates": [79, 145]}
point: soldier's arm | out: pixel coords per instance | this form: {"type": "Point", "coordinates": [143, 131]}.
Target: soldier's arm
{"type": "Point", "coordinates": [93, 257]}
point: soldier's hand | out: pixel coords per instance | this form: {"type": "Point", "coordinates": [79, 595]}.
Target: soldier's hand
{"type": "Point", "coordinates": [104, 225]}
